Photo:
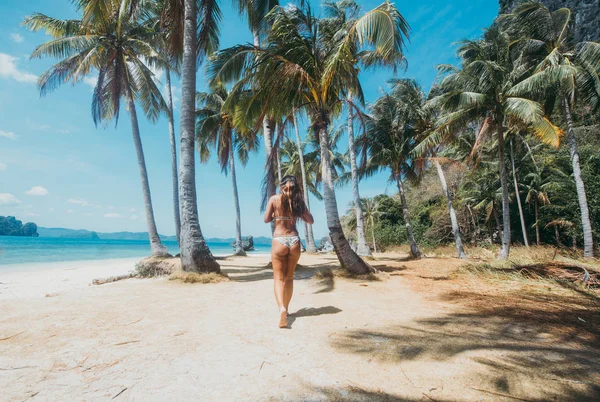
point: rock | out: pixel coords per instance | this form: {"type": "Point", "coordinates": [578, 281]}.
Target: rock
{"type": "Point", "coordinates": [247, 243]}
{"type": "Point", "coordinates": [9, 226]}
{"type": "Point", "coordinates": [325, 245]}
{"type": "Point", "coordinates": [586, 16]}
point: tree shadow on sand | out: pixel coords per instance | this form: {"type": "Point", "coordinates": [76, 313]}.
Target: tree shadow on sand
{"type": "Point", "coordinates": [312, 312]}
{"type": "Point", "coordinates": [557, 354]}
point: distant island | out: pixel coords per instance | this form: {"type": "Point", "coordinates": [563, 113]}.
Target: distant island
{"type": "Point", "coordinates": [10, 226]}
{"type": "Point", "coordinates": [92, 235]}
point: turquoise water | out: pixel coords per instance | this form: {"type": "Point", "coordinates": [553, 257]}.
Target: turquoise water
{"type": "Point", "coordinates": [21, 250]}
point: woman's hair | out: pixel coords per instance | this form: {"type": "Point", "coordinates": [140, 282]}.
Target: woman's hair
{"type": "Point", "coordinates": [292, 204]}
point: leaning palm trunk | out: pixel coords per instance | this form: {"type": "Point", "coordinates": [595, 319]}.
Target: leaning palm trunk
{"type": "Point", "coordinates": [361, 248]}
{"type": "Point", "coordinates": [195, 254]}
{"type": "Point", "coordinates": [268, 137]}
{"type": "Point", "coordinates": [588, 240]}
{"type": "Point", "coordinates": [414, 249]}
{"type": "Point", "coordinates": [310, 239]}
{"type": "Point", "coordinates": [455, 228]}
{"type": "Point", "coordinates": [373, 235]}
{"type": "Point", "coordinates": [239, 246]}
{"type": "Point", "coordinates": [504, 252]}
{"type": "Point", "coordinates": [173, 156]}
{"type": "Point", "coordinates": [514, 174]}
{"type": "Point", "coordinates": [347, 257]}
{"type": "Point", "coordinates": [156, 245]}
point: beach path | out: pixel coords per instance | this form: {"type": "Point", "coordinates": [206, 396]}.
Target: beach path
{"type": "Point", "coordinates": [403, 338]}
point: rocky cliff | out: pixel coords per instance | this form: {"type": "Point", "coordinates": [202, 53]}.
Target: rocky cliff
{"type": "Point", "coordinates": [9, 226]}
{"type": "Point", "coordinates": [586, 20]}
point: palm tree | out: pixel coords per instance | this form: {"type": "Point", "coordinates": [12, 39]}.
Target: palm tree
{"type": "Point", "coordinates": [390, 142]}
{"type": "Point", "coordinates": [298, 71]}
{"type": "Point", "coordinates": [420, 119]}
{"type": "Point", "coordinates": [370, 207]}
{"type": "Point", "coordinates": [481, 92]}
{"type": "Point", "coordinates": [195, 254]}
{"type": "Point", "coordinates": [113, 42]}
{"type": "Point", "coordinates": [310, 238]}
{"type": "Point", "coordinates": [561, 73]}
{"type": "Point", "coordinates": [517, 194]}
{"type": "Point", "coordinates": [342, 15]}
{"type": "Point", "coordinates": [483, 192]}
{"type": "Point", "coordinates": [215, 129]}
{"type": "Point", "coordinates": [294, 162]}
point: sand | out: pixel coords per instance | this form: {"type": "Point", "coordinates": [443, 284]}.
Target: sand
{"type": "Point", "coordinates": [155, 339]}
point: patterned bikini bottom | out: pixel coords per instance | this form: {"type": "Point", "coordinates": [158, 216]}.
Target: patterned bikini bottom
{"type": "Point", "coordinates": [287, 241]}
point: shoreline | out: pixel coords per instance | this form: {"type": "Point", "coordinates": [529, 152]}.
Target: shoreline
{"type": "Point", "coordinates": [46, 279]}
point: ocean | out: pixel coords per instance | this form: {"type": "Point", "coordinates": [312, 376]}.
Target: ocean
{"type": "Point", "coordinates": [23, 250]}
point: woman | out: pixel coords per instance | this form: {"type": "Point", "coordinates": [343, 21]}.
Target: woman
{"type": "Point", "coordinates": [285, 209]}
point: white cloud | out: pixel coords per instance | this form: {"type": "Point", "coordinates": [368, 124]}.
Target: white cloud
{"type": "Point", "coordinates": [9, 69]}
{"type": "Point", "coordinates": [91, 81]}
{"type": "Point", "coordinates": [89, 214]}
{"type": "Point", "coordinates": [50, 209]}
{"type": "Point", "coordinates": [3, 166]}
{"type": "Point", "coordinates": [111, 207]}
{"type": "Point", "coordinates": [8, 199]}
{"type": "Point", "coordinates": [37, 190]}
{"type": "Point", "coordinates": [70, 211]}
{"type": "Point", "coordinates": [8, 134]}
{"type": "Point", "coordinates": [131, 209]}
{"type": "Point", "coordinates": [112, 215]}
{"type": "Point", "coordinates": [31, 214]}
{"type": "Point", "coordinates": [175, 90]}
{"type": "Point", "coordinates": [133, 217]}
{"type": "Point", "coordinates": [17, 38]}
{"type": "Point", "coordinates": [79, 201]}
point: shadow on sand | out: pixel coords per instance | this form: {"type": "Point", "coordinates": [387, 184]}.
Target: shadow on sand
{"type": "Point", "coordinates": [557, 354]}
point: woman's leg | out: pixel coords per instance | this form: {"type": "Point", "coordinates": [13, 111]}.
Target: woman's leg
{"type": "Point", "coordinates": [292, 260]}
{"type": "Point", "coordinates": [279, 257]}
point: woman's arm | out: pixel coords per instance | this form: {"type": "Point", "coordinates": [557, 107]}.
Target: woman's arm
{"type": "Point", "coordinates": [308, 218]}
{"type": "Point", "coordinates": [269, 212]}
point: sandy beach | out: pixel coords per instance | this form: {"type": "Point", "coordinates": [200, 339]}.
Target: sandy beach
{"type": "Point", "coordinates": [408, 337]}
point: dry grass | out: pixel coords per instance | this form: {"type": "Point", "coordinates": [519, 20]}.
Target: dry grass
{"type": "Point", "coordinates": [342, 273]}
{"type": "Point", "coordinates": [538, 264]}
{"type": "Point", "coordinates": [157, 266]}
{"type": "Point", "coordinates": [194, 277]}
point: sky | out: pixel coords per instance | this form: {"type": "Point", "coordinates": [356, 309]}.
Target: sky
{"type": "Point", "coordinates": [58, 170]}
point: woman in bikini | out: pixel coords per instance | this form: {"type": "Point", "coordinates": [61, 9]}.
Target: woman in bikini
{"type": "Point", "coordinates": [285, 209]}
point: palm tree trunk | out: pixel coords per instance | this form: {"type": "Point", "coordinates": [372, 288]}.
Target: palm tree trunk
{"type": "Point", "coordinates": [195, 254]}
{"type": "Point", "coordinates": [537, 222]}
{"type": "Point", "coordinates": [497, 219]}
{"type": "Point", "coordinates": [414, 249]}
{"type": "Point", "coordinates": [279, 174]}
{"type": "Point", "coordinates": [173, 156]}
{"type": "Point", "coordinates": [504, 252]}
{"type": "Point", "coordinates": [362, 248]}
{"type": "Point", "coordinates": [588, 240]}
{"type": "Point", "coordinates": [455, 228]}
{"type": "Point", "coordinates": [373, 235]}
{"type": "Point", "coordinates": [268, 138]}
{"type": "Point", "coordinates": [310, 239]}
{"type": "Point", "coordinates": [239, 245]}
{"type": "Point", "coordinates": [472, 220]}
{"type": "Point", "coordinates": [557, 236]}
{"type": "Point", "coordinates": [349, 260]}
{"type": "Point", "coordinates": [155, 244]}
{"type": "Point", "coordinates": [517, 196]}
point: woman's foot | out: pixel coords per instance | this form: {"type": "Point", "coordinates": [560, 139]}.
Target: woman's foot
{"type": "Point", "coordinates": [283, 323]}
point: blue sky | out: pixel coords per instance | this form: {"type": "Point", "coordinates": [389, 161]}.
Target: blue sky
{"type": "Point", "coordinates": [58, 170]}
